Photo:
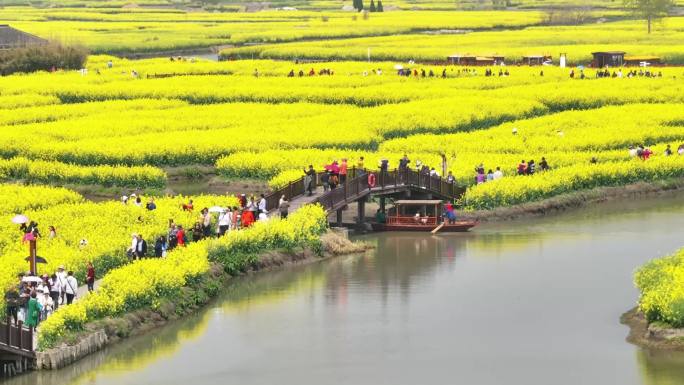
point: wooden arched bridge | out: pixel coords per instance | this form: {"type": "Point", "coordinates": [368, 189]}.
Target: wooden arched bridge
{"type": "Point", "coordinates": [398, 183]}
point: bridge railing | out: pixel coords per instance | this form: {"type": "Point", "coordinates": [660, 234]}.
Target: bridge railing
{"type": "Point", "coordinates": [345, 192]}
{"type": "Point", "coordinates": [16, 336]}
{"type": "Point", "coordinates": [357, 183]}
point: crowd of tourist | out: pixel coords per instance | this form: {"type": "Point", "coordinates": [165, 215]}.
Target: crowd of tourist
{"type": "Point", "coordinates": [311, 72]}
{"type": "Point", "coordinates": [401, 71]}
{"type": "Point", "coordinates": [335, 173]}
{"type": "Point", "coordinates": [605, 73]}
{"type": "Point", "coordinates": [210, 222]}
{"type": "Point", "coordinates": [34, 298]}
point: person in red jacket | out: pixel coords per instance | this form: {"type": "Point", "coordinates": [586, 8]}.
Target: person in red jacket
{"type": "Point", "coordinates": [90, 276]}
{"type": "Point", "coordinates": [181, 236]}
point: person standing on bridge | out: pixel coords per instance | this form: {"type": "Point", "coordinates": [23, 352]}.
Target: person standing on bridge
{"type": "Point", "coordinates": [343, 171]}
{"type": "Point", "coordinates": [403, 167]}
{"type": "Point", "coordinates": [403, 163]}
{"type": "Point", "coordinates": [450, 178]}
{"type": "Point", "coordinates": [309, 176]}
{"type": "Point", "coordinates": [325, 181]}
{"type": "Point", "coordinates": [384, 165]}
{"type": "Point", "coordinates": [360, 166]}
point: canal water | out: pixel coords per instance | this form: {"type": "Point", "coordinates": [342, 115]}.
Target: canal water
{"type": "Point", "coordinates": [534, 301]}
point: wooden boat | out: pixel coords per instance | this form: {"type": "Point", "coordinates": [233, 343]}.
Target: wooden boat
{"type": "Point", "coordinates": [401, 221]}
{"type": "Point", "coordinates": [458, 226]}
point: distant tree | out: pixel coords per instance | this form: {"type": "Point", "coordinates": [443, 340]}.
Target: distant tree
{"type": "Point", "coordinates": [650, 9]}
{"type": "Point", "coordinates": [379, 7]}
{"type": "Point", "coordinates": [372, 6]}
{"type": "Point", "coordinates": [499, 4]}
{"type": "Point", "coordinates": [42, 58]}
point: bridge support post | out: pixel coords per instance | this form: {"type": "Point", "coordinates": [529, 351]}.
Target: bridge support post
{"type": "Point", "coordinates": [339, 218]}
{"type": "Point", "coordinates": [382, 204]}
{"type": "Point", "coordinates": [360, 210]}
{"type": "Point", "coordinates": [424, 207]}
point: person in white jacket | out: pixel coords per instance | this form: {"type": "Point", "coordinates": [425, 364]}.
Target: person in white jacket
{"type": "Point", "coordinates": [134, 246]}
{"type": "Point", "coordinates": [225, 219]}
{"type": "Point", "coordinates": [61, 282]}
{"type": "Point", "coordinates": [46, 303]}
{"type": "Point", "coordinates": [71, 287]}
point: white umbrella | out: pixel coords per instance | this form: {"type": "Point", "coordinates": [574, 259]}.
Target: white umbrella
{"type": "Point", "coordinates": [32, 279]}
{"type": "Point", "coordinates": [19, 219]}
{"type": "Point", "coordinates": [216, 209]}
{"type": "Point", "coordinates": [398, 67]}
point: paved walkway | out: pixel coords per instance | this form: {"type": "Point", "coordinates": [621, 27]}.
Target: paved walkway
{"type": "Point", "coordinates": [83, 290]}
{"type": "Point", "coordinates": [299, 201]}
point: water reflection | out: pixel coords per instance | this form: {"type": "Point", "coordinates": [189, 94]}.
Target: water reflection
{"type": "Point", "coordinates": [661, 368]}
{"type": "Point", "coordinates": [119, 359]}
{"type": "Point", "coordinates": [517, 302]}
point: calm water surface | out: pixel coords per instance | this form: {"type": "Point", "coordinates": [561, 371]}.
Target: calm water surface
{"type": "Point", "coordinates": [521, 302]}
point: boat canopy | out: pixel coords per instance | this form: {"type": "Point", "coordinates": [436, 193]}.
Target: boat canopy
{"type": "Point", "coordinates": [418, 202]}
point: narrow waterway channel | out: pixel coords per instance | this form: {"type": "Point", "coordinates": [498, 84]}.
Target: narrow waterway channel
{"type": "Point", "coordinates": [534, 301]}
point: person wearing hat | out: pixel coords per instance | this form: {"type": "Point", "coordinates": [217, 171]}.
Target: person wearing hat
{"type": "Point", "coordinates": [44, 284]}
{"type": "Point", "coordinates": [46, 303]}
{"type": "Point", "coordinates": [61, 280]}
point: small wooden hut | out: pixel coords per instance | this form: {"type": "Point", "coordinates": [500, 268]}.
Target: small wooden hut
{"type": "Point", "coordinates": [535, 60]}
{"type": "Point", "coordinates": [13, 38]}
{"type": "Point", "coordinates": [608, 59]}
{"type": "Point", "coordinates": [474, 60]}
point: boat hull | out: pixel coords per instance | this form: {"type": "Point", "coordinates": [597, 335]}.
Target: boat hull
{"type": "Point", "coordinates": [458, 227]}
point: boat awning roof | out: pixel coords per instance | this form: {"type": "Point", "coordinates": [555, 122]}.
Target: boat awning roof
{"type": "Point", "coordinates": [641, 58]}
{"type": "Point", "coordinates": [418, 202]}
{"type": "Point", "coordinates": [608, 53]}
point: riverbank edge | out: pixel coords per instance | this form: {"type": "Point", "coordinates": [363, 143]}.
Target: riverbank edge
{"type": "Point", "coordinates": [574, 200]}
{"type": "Point", "coordinates": [102, 333]}
{"type": "Point", "coordinates": [651, 336]}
